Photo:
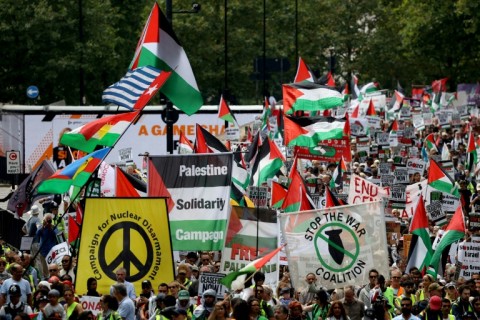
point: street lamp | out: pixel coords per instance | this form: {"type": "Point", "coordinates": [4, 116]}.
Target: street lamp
{"type": "Point", "coordinates": [170, 115]}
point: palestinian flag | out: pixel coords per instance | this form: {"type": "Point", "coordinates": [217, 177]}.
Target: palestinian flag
{"type": "Point", "coordinates": [297, 198]}
{"type": "Point", "coordinates": [240, 179]}
{"type": "Point", "coordinates": [128, 186]}
{"type": "Point", "coordinates": [369, 88]}
{"type": "Point", "coordinates": [330, 80]}
{"type": "Point", "coordinates": [356, 112]}
{"type": "Point", "coordinates": [279, 192]}
{"type": "Point", "coordinates": [184, 145]}
{"type": "Point", "coordinates": [371, 109]}
{"type": "Point", "coordinates": [337, 176]}
{"type": "Point", "coordinates": [74, 225]}
{"type": "Point", "coordinates": [268, 162]}
{"type": "Point", "coordinates": [439, 179]}
{"type": "Point", "coordinates": [253, 148]}
{"type": "Point", "coordinates": [454, 232]}
{"type": "Point", "coordinates": [308, 131]}
{"type": "Point", "coordinates": [252, 267]}
{"type": "Point", "coordinates": [225, 113]}
{"type": "Point", "coordinates": [397, 101]}
{"type": "Point", "coordinates": [331, 200]}
{"type": "Point", "coordinates": [156, 186]}
{"type": "Point", "coordinates": [159, 47]}
{"type": "Point", "coordinates": [471, 154]}
{"type": "Point", "coordinates": [101, 132]}
{"type": "Point", "coordinates": [309, 97]}
{"type": "Point", "coordinates": [429, 143]}
{"type": "Point", "coordinates": [420, 252]}
{"type": "Point", "coordinates": [303, 72]}
{"type": "Point", "coordinates": [439, 85]}
{"type": "Point", "coordinates": [206, 142]}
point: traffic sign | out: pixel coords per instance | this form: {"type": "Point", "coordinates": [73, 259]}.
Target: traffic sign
{"type": "Point", "coordinates": [13, 162]}
{"type": "Point", "coordinates": [32, 92]}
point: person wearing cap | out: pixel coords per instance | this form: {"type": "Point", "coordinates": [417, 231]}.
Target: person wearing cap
{"type": "Point", "coordinates": [53, 307]}
{"type": "Point", "coordinates": [183, 303]}
{"type": "Point", "coordinates": [16, 270]}
{"type": "Point", "coordinates": [203, 310]}
{"type": "Point", "coordinates": [146, 300]}
{"type": "Point", "coordinates": [462, 305]}
{"type": "Point", "coordinates": [434, 309]}
{"type": "Point", "coordinates": [285, 296]}
{"type": "Point", "coordinates": [406, 308]}
{"type": "Point", "coordinates": [183, 274]}
{"type": "Point", "coordinates": [435, 289]}
{"type": "Point", "coordinates": [195, 272]}
{"type": "Point", "coordinates": [451, 291]}
{"type": "Point", "coordinates": [15, 306]}
{"type": "Point", "coordinates": [40, 303]}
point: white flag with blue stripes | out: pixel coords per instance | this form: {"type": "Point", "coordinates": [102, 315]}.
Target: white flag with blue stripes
{"type": "Point", "coordinates": [130, 88]}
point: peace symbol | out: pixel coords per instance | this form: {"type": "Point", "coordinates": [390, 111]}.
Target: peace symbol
{"type": "Point", "coordinates": [126, 256]}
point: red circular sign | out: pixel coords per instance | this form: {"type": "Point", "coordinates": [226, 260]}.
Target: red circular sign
{"type": "Point", "coordinates": [13, 156]}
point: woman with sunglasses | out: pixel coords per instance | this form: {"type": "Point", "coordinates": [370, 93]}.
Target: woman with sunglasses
{"type": "Point", "coordinates": [109, 305]}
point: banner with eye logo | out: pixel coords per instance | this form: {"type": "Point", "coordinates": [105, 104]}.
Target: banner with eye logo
{"type": "Point", "coordinates": [339, 245]}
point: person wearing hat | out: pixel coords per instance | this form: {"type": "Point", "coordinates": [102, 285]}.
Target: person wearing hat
{"type": "Point", "coordinates": [53, 308]}
{"type": "Point", "coordinates": [33, 223]}
{"type": "Point", "coordinates": [451, 291]}
{"type": "Point", "coordinates": [16, 271]}
{"type": "Point", "coordinates": [434, 309]}
{"type": "Point", "coordinates": [184, 303]}
{"type": "Point", "coordinates": [183, 274]}
{"type": "Point", "coordinates": [15, 306]}
{"type": "Point", "coordinates": [203, 310]}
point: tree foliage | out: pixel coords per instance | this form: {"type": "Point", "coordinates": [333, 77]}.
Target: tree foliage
{"type": "Point", "coordinates": [411, 42]}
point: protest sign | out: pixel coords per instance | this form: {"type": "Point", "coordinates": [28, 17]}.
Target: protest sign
{"type": "Point", "coordinates": [339, 245]}
{"type": "Point", "coordinates": [211, 281]}
{"type": "Point", "coordinates": [362, 190]}
{"type": "Point", "coordinates": [90, 303]}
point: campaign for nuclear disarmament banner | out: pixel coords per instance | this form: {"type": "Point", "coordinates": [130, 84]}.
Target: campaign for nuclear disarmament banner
{"type": "Point", "coordinates": [130, 233]}
{"type": "Point", "coordinates": [198, 188]}
{"type": "Point", "coordinates": [339, 245]}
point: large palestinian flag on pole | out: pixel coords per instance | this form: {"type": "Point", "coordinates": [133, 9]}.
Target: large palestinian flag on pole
{"type": "Point", "coordinates": [308, 131]}
{"type": "Point", "coordinates": [267, 163]}
{"type": "Point", "coordinates": [159, 47]}
{"type": "Point", "coordinates": [311, 97]}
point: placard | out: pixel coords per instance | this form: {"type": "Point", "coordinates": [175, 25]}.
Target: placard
{"type": "Point", "coordinates": [211, 281]}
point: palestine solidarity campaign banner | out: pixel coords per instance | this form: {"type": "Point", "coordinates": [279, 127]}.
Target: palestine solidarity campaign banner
{"type": "Point", "coordinates": [124, 232]}
{"type": "Point", "coordinates": [198, 191]}
{"type": "Point", "coordinates": [339, 245]}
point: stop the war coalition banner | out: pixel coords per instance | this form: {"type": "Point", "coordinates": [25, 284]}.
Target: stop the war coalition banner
{"type": "Point", "coordinates": [198, 187]}
{"type": "Point", "coordinates": [130, 233]}
{"type": "Point", "coordinates": [339, 245]}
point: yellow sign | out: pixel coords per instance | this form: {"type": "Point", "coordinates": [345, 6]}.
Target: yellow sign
{"type": "Point", "coordinates": [130, 233]}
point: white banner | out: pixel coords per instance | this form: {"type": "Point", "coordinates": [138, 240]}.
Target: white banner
{"type": "Point", "coordinates": [339, 245]}
{"type": "Point", "coordinates": [362, 190]}
{"type": "Point", "coordinates": [91, 304]}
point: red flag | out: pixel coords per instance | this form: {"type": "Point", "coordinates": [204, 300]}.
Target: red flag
{"type": "Point", "coordinates": [157, 188]}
